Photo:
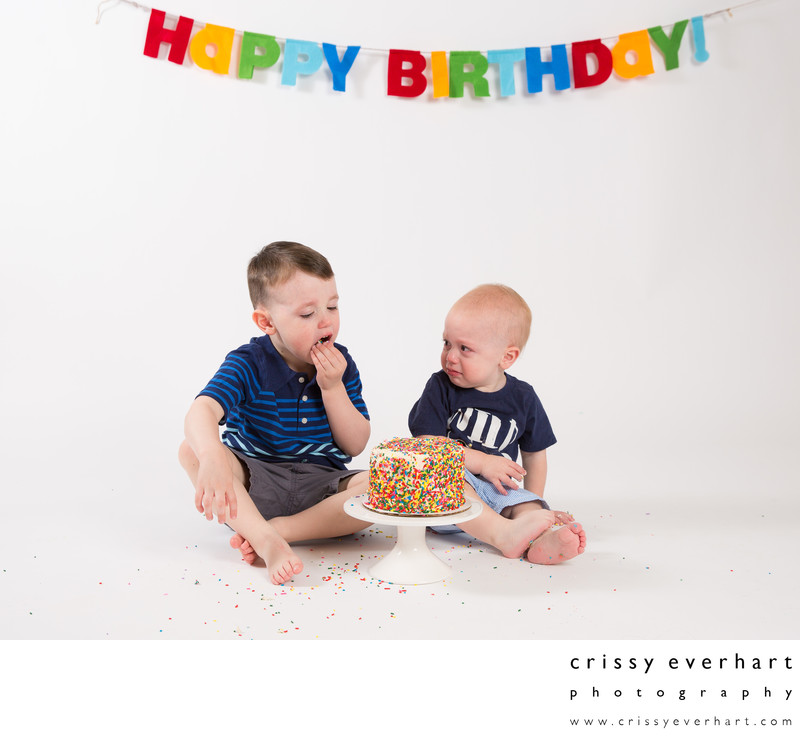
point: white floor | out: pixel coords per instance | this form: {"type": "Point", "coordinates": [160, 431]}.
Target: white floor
{"type": "Point", "coordinates": [117, 595]}
{"type": "Point", "coordinates": [131, 559]}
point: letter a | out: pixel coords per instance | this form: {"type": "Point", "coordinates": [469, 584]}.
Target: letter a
{"type": "Point", "coordinates": [639, 44]}
{"type": "Point", "coordinates": [220, 39]}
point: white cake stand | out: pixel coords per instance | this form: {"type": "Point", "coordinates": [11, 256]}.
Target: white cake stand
{"type": "Point", "coordinates": [410, 561]}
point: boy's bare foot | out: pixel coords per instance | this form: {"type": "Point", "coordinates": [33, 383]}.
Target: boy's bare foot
{"type": "Point", "coordinates": [562, 518]}
{"type": "Point", "coordinates": [249, 555]}
{"type": "Point", "coordinates": [275, 554]}
{"type": "Point", "coordinates": [517, 533]}
{"type": "Point", "coordinates": [557, 545]}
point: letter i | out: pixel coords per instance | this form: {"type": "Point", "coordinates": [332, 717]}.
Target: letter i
{"type": "Point", "coordinates": [699, 33]}
{"type": "Point", "coordinates": [441, 79]}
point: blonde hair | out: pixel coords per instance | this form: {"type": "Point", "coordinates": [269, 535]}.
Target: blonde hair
{"type": "Point", "coordinates": [504, 307]}
{"type": "Point", "coordinates": [277, 262]}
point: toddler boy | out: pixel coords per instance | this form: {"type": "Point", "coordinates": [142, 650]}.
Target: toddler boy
{"type": "Point", "coordinates": [291, 404]}
{"type": "Point", "coordinates": [498, 418]}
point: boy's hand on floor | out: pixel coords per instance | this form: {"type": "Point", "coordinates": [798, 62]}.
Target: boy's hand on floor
{"type": "Point", "coordinates": [214, 492]}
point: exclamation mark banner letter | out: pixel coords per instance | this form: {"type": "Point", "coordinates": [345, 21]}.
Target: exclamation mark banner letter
{"type": "Point", "coordinates": [699, 34]}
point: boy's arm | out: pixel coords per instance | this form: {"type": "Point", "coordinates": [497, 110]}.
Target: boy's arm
{"type": "Point", "coordinates": [535, 463]}
{"type": "Point", "coordinates": [214, 484]}
{"type": "Point", "coordinates": [349, 428]}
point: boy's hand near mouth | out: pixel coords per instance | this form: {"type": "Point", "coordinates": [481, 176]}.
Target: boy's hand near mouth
{"type": "Point", "coordinates": [329, 363]}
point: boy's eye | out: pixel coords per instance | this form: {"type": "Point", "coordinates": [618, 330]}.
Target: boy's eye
{"type": "Point", "coordinates": [306, 315]}
{"type": "Point", "coordinates": [466, 348]}
{"type": "Point", "coordinates": [333, 307]}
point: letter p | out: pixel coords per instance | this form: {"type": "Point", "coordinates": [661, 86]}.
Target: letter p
{"type": "Point", "coordinates": [250, 58]}
{"type": "Point", "coordinates": [293, 65]}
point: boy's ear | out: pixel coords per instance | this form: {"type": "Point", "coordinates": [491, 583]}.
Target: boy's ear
{"type": "Point", "coordinates": [263, 320]}
{"type": "Point", "coordinates": [510, 355]}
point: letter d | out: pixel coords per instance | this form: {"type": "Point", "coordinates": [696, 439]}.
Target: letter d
{"type": "Point", "coordinates": [580, 68]}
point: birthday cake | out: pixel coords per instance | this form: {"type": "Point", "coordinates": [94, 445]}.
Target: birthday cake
{"type": "Point", "coordinates": [416, 476]}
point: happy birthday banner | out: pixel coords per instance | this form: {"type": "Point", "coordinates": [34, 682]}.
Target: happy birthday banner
{"type": "Point", "coordinates": [411, 73]}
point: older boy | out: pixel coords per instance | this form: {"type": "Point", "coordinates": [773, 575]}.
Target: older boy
{"type": "Point", "coordinates": [291, 403]}
{"type": "Point", "coordinates": [498, 418]}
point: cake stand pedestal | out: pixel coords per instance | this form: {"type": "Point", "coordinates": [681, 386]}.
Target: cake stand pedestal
{"type": "Point", "coordinates": [410, 561]}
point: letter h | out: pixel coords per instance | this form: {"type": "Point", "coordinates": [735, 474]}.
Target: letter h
{"type": "Point", "coordinates": [558, 66]}
{"type": "Point", "coordinates": [178, 39]}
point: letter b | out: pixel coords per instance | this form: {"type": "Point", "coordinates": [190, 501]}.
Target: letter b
{"type": "Point", "coordinates": [415, 71]}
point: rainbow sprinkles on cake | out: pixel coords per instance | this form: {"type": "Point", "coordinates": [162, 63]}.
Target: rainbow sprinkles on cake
{"type": "Point", "coordinates": [416, 476]}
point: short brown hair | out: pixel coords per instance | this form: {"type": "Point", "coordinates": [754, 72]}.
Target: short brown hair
{"type": "Point", "coordinates": [277, 262]}
{"type": "Point", "coordinates": [502, 305]}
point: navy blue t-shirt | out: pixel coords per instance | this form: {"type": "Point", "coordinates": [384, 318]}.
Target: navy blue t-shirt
{"type": "Point", "coordinates": [501, 423]}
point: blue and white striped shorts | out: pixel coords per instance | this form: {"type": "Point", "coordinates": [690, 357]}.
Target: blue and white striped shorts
{"type": "Point", "coordinates": [489, 495]}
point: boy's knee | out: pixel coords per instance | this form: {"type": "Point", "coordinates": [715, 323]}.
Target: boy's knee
{"type": "Point", "coordinates": [186, 455]}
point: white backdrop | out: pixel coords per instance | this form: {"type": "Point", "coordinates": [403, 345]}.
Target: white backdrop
{"type": "Point", "coordinates": [651, 224]}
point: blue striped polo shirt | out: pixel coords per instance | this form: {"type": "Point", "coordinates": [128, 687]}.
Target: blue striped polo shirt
{"type": "Point", "coordinates": [274, 413]}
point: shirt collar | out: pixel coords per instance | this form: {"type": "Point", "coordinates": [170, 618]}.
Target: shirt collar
{"type": "Point", "coordinates": [279, 373]}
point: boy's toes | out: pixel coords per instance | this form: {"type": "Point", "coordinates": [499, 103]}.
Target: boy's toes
{"type": "Point", "coordinates": [282, 575]}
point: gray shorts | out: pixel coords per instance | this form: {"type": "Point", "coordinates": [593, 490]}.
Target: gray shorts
{"type": "Point", "coordinates": [288, 488]}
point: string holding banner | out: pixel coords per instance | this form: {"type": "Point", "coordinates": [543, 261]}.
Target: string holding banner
{"type": "Point", "coordinates": [410, 73]}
